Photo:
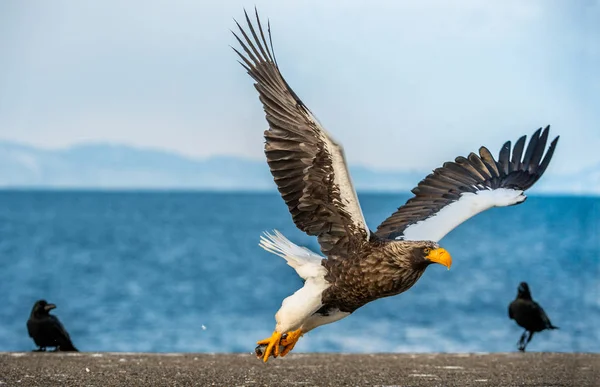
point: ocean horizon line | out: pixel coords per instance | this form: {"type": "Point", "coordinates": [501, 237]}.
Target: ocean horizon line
{"type": "Point", "coordinates": [260, 191]}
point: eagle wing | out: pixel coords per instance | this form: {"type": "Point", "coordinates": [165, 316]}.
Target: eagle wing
{"type": "Point", "coordinates": [307, 165]}
{"type": "Point", "coordinates": [461, 189]}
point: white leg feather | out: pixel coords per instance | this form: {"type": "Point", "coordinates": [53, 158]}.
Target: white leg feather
{"type": "Point", "coordinates": [298, 307]}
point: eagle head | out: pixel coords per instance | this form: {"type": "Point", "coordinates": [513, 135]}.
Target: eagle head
{"type": "Point", "coordinates": [427, 252]}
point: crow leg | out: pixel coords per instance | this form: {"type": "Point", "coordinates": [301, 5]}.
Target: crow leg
{"type": "Point", "coordinates": [528, 340]}
{"type": "Point", "coordinates": [521, 344]}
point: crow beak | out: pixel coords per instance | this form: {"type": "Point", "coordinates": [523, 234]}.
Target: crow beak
{"type": "Point", "coordinates": [49, 307]}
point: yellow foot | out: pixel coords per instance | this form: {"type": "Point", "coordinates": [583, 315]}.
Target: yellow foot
{"type": "Point", "coordinates": [289, 340]}
{"type": "Point", "coordinates": [272, 344]}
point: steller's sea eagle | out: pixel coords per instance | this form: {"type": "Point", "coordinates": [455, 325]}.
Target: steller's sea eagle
{"type": "Point", "coordinates": [309, 169]}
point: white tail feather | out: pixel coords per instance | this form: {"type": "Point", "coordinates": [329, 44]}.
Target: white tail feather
{"type": "Point", "coordinates": [306, 263]}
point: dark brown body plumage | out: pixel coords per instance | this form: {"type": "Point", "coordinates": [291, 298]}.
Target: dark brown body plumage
{"type": "Point", "coordinates": [379, 268]}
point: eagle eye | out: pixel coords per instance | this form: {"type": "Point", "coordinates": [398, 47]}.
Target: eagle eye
{"type": "Point", "coordinates": [426, 250]}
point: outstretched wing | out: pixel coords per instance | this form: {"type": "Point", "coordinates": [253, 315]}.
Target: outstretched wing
{"type": "Point", "coordinates": [308, 166]}
{"type": "Point", "coordinates": [463, 188]}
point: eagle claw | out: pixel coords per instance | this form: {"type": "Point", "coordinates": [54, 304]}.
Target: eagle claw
{"type": "Point", "coordinates": [289, 340]}
{"type": "Point", "coordinates": [273, 345]}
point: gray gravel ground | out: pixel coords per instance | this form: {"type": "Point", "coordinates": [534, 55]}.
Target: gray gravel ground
{"type": "Point", "coordinates": [142, 369]}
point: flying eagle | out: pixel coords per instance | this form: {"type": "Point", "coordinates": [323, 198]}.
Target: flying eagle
{"type": "Point", "coordinates": [360, 266]}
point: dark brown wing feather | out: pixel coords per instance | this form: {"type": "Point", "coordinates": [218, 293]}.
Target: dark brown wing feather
{"type": "Point", "coordinates": [475, 173]}
{"type": "Point", "coordinates": [307, 165]}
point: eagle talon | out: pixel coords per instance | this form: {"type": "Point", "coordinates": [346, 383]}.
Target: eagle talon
{"type": "Point", "coordinates": [277, 345]}
{"type": "Point", "coordinates": [289, 341]}
{"type": "Point", "coordinates": [272, 346]}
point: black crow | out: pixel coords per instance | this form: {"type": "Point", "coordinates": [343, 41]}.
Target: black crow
{"type": "Point", "coordinates": [528, 314]}
{"type": "Point", "coordinates": [46, 329]}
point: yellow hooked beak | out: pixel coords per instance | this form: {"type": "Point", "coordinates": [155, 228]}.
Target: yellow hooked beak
{"type": "Point", "coordinates": [440, 256]}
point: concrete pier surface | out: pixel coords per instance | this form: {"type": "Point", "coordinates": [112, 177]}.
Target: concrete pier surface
{"type": "Point", "coordinates": [146, 369]}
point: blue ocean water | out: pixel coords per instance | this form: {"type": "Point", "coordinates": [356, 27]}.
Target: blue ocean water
{"type": "Point", "coordinates": [182, 272]}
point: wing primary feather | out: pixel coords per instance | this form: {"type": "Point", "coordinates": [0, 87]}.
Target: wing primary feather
{"type": "Point", "coordinates": [504, 158]}
{"type": "Point", "coordinates": [249, 41]}
{"type": "Point", "coordinates": [547, 157]}
{"type": "Point", "coordinates": [517, 155]}
{"type": "Point", "coordinates": [246, 61]}
{"type": "Point", "coordinates": [489, 161]}
{"type": "Point", "coordinates": [265, 76]}
{"type": "Point", "coordinates": [253, 32]}
{"type": "Point", "coordinates": [533, 141]}
{"type": "Point", "coordinates": [271, 41]}
{"type": "Point", "coordinates": [243, 65]}
{"type": "Point", "coordinates": [251, 67]}
{"type": "Point", "coordinates": [262, 35]}
{"type": "Point", "coordinates": [245, 46]}
{"type": "Point", "coordinates": [478, 164]}
{"type": "Point", "coordinates": [466, 165]}
{"type": "Point", "coordinates": [540, 148]}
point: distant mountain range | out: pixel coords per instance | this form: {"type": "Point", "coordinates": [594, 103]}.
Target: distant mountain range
{"type": "Point", "coordinates": [104, 166]}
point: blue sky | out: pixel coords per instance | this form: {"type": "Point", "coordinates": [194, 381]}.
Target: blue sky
{"type": "Point", "coordinates": [402, 84]}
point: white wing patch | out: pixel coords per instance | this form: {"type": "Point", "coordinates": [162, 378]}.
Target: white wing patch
{"type": "Point", "coordinates": [470, 204]}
